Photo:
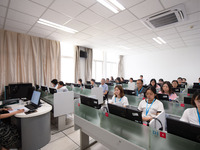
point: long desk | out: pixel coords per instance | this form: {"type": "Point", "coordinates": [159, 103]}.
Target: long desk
{"type": "Point", "coordinates": [35, 128]}
{"type": "Point", "coordinates": [117, 133]}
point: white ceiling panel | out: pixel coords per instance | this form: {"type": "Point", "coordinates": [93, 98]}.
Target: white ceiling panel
{"type": "Point", "coordinates": [170, 3]}
{"type": "Point", "coordinates": [129, 3]}
{"type": "Point", "coordinates": [126, 36]}
{"type": "Point", "coordinates": [89, 17]}
{"type": "Point", "coordinates": [92, 31]}
{"type": "Point", "coordinates": [40, 31]}
{"type": "Point", "coordinates": [81, 36]}
{"type": "Point", "coordinates": [77, 25]}
{"type": "Point", "coordinates": [67, 7]}
{"type": "Point", "coordinates": [86, 3]}
{"type": "Point", "coordinates": [117, 31]}
{"type": "Point", "coordinates": [105, 25]}
{"type": "Point", "coordinates": [146, 8]}
{"type": "Point", "coordinates": [192, 37]}
{"type": "Point", "coordinates": [142, 31]}
{"type": "Point", "coordinates": [189, 33]}
{"type": "Point", "coordinates": [21, 17]}
{"type": "Point", "coordinates": [14, 29]}
{"type": "Point", "coordinates": [55, 17]}
{"type": "Point", "coordinates": [44, 27]}
{"type": "Point", "coordinates": [27, 7]}
{"type": "Point", "coordinates": [17, 25]}
{"type": "Point", "coordinates": [66, 34]}
{"type": "Point", "coordinates": [170, 37]}
{"type": "Point", "coordinates": [101, 10]}
{"type": "Point", "coordinates": [149, 36]}
{"type": "Point", "coordinates": [2, 11]}
{"type": "Point", "coordinates": [133, 26]}
{"type": "Point", "coordinates": [4, 2]}
{"type": "Point", "coordinates": [37, 34]}
{"type": "Point", "coordinates": [45, 3]}
{"type": "Point", "coordinates": [166, 32]}
{"type": "Point", "coordinates": [189, 27]}
{"type": "Point", "coordinates": [2, 20]}
{"type": "Point", "coordinates": [122, 18]}
{"type": "Point", "coordinates": [192, 6]}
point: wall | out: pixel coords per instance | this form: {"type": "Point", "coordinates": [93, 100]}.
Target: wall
{"type": "Point", "coordinates": [168, 65]}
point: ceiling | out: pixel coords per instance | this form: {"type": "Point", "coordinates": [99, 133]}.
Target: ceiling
{"type": "Point", "coordinates": [100, 28]}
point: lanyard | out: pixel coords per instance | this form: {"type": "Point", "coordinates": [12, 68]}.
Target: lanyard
{"type": "Point", "coordinates": [198, 115]}
{"type": "Point", "coordinates": [147, 109]}
{"type": "Point", "coordinates": [139, 91]}
{"type": "Point", "coordinates": [119, 100]}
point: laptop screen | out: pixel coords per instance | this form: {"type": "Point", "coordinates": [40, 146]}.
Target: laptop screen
{"type": "Point", "coordinates": [35, 97]}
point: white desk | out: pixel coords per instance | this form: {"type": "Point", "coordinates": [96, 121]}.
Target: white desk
{"type": "Point", "coordinates": [35, 127]}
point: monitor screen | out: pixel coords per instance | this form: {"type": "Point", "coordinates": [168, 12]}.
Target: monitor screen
{"type": "Point", "coordinates": [35, 97]}
{"type": "Point", "coordinates": [92, 102]}
{"type": "Point", "coordinates": [183, 129]}
{"type": "Point", "coordinates": [88, 82]}
{"type": "Point", "coordinates": [110, 84]}
{"type": "Point", "coordinates": [192, 90]}
{"type": "Point", "coordinates": [129, 92]}
{"type": "Point", "coordinates": [44, 88]}
{"type": "Point", "coordinates": [76, 85]}
{"type": "Point", "coordinates": [187, 100]}
{"type": "Point", "coordinates": [117, 110]}
{"type": "Point", "coordinates": [52, 90]}
{"type": "Point", "coordinates": [163, 97]}
{"type": "Point", "coordinates": [68, 84]}
{"type": "Point", "coordinates": [196, 85]}
{"type": "Point", "coordinates": [177, 90]}
{"type": "Point", "coordinates": [134, 114]}
{"type": "Point", "coordinates": [88, 86]}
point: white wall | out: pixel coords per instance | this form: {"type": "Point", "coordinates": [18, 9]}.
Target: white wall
{"type": "Point", "coordinates": [169, 65]}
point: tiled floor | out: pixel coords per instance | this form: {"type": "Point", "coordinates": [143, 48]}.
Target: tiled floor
{"type": "Point", "coordinates": [68, 139]}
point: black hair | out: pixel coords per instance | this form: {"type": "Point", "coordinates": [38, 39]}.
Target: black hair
{"type": "Point", "coordinates": [118, 79]}
{"type": "Point", "coordinates": [131, 79]}
{"type": "Point", "coordinates": [154, 81]}
{"type": "Point", "coordinates": [93, 80]}
{"type": "Point", "coordinates": [80, 80]}
{"type": "Point", "coordinates": [175, 81]}
{"type": "Point", "coordinates": [140, 80]}
{"type": "Point", "coordinates": [107, 79]}
{"type": "Point", "coordinates": [180, 78]}
{"type": "Point", "coordinates": [195, 96]}
{"type": "Point", "coordinates": [61, 83]}
{"type": "Point", "coordinates": [184, 79]}
{"type": "Point", "coordinates": [111, 78]}
{"type": "Point", "coordinates": [54, 81]}
{"type": "Point", "coordinates": [170, 87]}
{"type": "Point", "coordinates": [153, 89]}
{"type": "Point", "coordinates": [161, 80]}
{"type": "Point", "coordinates": [141, 75]}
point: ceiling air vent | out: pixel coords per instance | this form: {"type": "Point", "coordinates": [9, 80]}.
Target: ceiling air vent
{"type": "Point", "coordinates": [165, 18]}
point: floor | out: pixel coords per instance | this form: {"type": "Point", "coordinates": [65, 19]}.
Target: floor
{"type": "Point", "coordinates": [68, 139]}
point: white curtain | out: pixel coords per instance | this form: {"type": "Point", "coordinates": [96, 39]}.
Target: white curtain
{"type": "Point", "coordinates": [121, 66]}
{"type": "Point", "coordinates": [77, 63]}
{"type": "Point", "coordinates": [25, 58]}
{"type": "Point", "coordinates": [88, 64]}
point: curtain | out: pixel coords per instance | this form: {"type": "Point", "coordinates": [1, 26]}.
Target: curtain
{"type": "Point", "coordinates": [25, 58]}
{"type": "Point", "coordinates": [88, 64]}
{"type": "Point", "coordinates": [121, 66]}
{"type": "Point", "coordinates": [77, 63]}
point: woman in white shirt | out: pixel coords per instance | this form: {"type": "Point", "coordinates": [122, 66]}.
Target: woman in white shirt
{"type": "Point", "coordinates": [192, 115]}
{"type": "Point", "coordinates": [118, 97]}
{"type": "Point", "coordinates": [150, 106]}
{"type": "Point", "coordinates": [61, 87]}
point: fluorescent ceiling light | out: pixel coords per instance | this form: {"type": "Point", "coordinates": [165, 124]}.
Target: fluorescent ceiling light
{"type": "Point", "coordinates": [159, 40]}
{"type": "Point", "coordinates": [57, 26]}
{"type": "Point", "coordinates": [113, 5]}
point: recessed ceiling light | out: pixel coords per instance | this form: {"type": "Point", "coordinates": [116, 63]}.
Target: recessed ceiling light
{"type": "Point", "coordinates": [159, 40]}
{"type": "Point", "coordinates": [55, 25]}
{"type": "Point", "coordinates": [113, 5]}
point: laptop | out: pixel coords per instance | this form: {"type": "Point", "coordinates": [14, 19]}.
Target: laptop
{"type": "Point", "coordinates": [163, 97]}
{"type": "Point", "coordinates": [35, 99]}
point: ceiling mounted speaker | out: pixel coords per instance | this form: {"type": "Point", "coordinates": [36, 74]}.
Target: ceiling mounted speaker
{"type": "Point", "coordinates": [165, 18]}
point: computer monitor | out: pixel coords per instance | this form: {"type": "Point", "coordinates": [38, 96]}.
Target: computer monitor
{"type": "Point", "coordinates": [163, 97]}
{"type": "Point", "coordinates": [88, 82]}
{"type": "Point", "coordinates": [89, 101]}
{"type": "Point", "coordinates": [35, 99]}
{"type": "Point", "coordinates": [117, 110]}
{"type": "Point", "coordinates": [44, 88]}
{"type": "Point", "coordinates": [196, 85]}
{"type": "Point", "coordinates": [76, 85]}
{"type": "Point", "coordinates": [110, 84]}
{"type": "Point", "coordinates": [187, 100]}
{"type": "Point", "coordinates": [98, 83]}
{"type": "Point", "coordinates": [129, 92]}
{"type": "Point", "coordinates": [52, 90]}
{"type": "Point", "coordinates": [88, 86]}
{"type": "Point", "coordinates": [68, 84]}
{"type": "Point", "coordinates": [125, 81]}
{"type": "Point", "coordinates": [181, 86]}
{"type": "Point", "coordinates": [177, 90]}
{"type": "Point", "coordinates": [134, 114]}
{"type": "Point", "coordinates": [183, 129]}
{"type": "Point", "coordinates": [145, 86]}
{"type": "Point", "coordinates": [192, 90]}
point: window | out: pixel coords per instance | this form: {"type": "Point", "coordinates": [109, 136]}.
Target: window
{"type": "Point", "coordinates": [67, 62]}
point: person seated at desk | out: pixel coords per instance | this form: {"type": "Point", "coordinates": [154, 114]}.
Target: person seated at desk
{"type": "Point", "coordinates": [9, 136]}
{"type": "Point", "coordinates": [118, 97]}
{"type": "Point", "coordinates": [167, 89]}
{"type": "Point", "coordinates": [184, 81]}
{"type": "Point", "coordinates": [117, 80]}
{"type": "Point", "coordinates": [121, 79]}
{"type": "Point", "coordinates": [180, 80]}
{"type": "Point", "coordinates": [175, 84]}
{"type": "Point", "coordinates": [155, 85]}
{"type": "Point", "coordinates": [61, 87]}
{"type": "Point", "coordinates": [150, 106]}
{"type": "Point", "coordinates": [80, 82]}
{"type": "Point", "coordinates": [107, 80]}
{"type": "Point", "coordinates": [142, 78]}
{"type": "Point", "coordinates": [54, 83]}
{"type": "Point", "coordinates": [104, 87]}
{"type": "Point", "coordinates": [192, 115]}
{"type": "Point", "coordinates": [160, 82]}
{"type": "Point", "coordinates": [131, 84]}
{"type": "Point", "coordinates": [111, 78]}
{"type": "Point", "coordinates": [140, 89]}
{"type": "Point", "coordinates": [93, 83]}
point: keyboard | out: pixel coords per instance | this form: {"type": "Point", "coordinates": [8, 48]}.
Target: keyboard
{"type": "Point", "coordinates": [31, 107]}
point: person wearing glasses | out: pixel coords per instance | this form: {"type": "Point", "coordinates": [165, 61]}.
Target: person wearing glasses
{"type": "Point", "coordinates": [140, 90]}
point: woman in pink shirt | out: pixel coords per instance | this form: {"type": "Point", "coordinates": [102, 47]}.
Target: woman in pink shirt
{"type": "Point", "coordinates": [167, 89]}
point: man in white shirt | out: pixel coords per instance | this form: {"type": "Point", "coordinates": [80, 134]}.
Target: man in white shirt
{"type": "Point", "coordinates": [104, 86]}
{"type": "Point", "coordinates": [61, 87]}
{"type": "Point", "coordinates": [144, 81]}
